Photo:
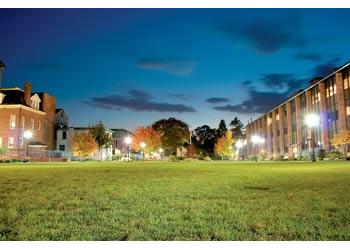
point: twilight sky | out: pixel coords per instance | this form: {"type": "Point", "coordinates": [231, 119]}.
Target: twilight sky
{"type": "Point", "coordinates": [130, 67]}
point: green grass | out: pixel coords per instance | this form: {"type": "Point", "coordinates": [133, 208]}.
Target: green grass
{"type": "Point", "coordinates": [175, 201]}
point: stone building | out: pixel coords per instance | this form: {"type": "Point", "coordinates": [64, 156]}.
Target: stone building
{"type": "Point", "coordinates": [284, 130]}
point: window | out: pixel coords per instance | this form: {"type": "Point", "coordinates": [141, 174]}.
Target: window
{"type": "Point", "coordinates": [11, 142]}
{"type": "Point", "coordinates": [62, 147]}
{"type": "Point", "coordinates": [0, 142]}
{"type": "Point", "coordinates": [22, 122]}
{"type": "Point", "coordinates": [32, 124]}
{"type": "Point", "coordinates": [348, 110]}
{"type": "Point", "coordinates": [39, 125]}
{"type": "Point", "coordinates": [12, 121]}
{"type": "Point", "coordinates": [64, 135]}
{"type": "Point", "coordinates": [20, 142]}
{"type": "Point", "coordinates": [277, 117]}
{"type": "Point", "coordinates": [34, 104]}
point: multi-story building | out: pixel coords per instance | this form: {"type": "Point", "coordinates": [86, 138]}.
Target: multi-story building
{"type": "Point", "coordinates": [284, 130]}
{"type": "Point", "coordinates": [23, 111]}
{"type": "Point", "coordinates": [119, 145]}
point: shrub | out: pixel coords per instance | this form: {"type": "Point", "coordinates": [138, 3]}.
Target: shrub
{"type": "Point", "coordinates": [334, 154]}
{"type": "Point", "coordinates": [253, 158]}
{"type": "Point", "coordinates": [173, 158]}
{"type": "Point", "coordinates": [322, 154]}
{"type": "Point", "coordinates": [116, 157]}
{"type": "Point", "coordinates": [207, 158]}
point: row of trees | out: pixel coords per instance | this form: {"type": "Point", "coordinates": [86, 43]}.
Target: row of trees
{"type": "Point", "coordinates": [171, 134]}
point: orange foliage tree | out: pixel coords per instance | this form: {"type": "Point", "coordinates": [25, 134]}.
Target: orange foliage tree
{"type": "Point", "coordinates": [83, 144]}
{"type": "Point", "coordinates": [148, 136]}
{"type": "Point", "coordinates": [223, 146]}
{"type": "Point", "coordinates": [342, 141]}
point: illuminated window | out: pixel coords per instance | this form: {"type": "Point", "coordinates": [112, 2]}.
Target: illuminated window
{"type": "Point", "coordinates": [348, 110]}
{"type": "Point", "coordinates": [32, 124]}
{"type": "Point", "coordinates": [277, 117]}
{"type": "Point", "coordinates": [12, 121]}
{"type": "Point", "coordinates": [0, 142]}
{"type": "Point", "coordinates": [39, 125]}
{"type": "Point", "coordinates": [11, 142]}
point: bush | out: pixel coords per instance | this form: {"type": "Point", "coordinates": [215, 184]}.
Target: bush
{"type": "Point", "coordinates": [334, 154]}
{"type": "Point", "coordinates": [322, 154]}
{"type": "Point", "coordinates": [116, 157]}
{"type": "Point", "coordinates": [173, 158]}
{"type": "Point", "coordinates": [253, 158]}
{"type": "Point", "coordinates": [207, 158]}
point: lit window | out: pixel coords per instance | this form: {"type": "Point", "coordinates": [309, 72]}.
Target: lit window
{"type": "Point", "coordinates": [348, 110]}
{"type": "Point", "coordinates": [32, 124]}
{"type": "Point", "coordinates": [277, 117]}
{"type": "Point", "coordinates": [0, 142]}
{"type": "Point", "coordinates": [11, 142]}
{"type": "Point", "coordinates": [346, 84]}
{"type": "Point", "coordinates": [39, 125]}
{"type": "Point", "coordinates": [12, 121]}
{"type": "Point", "coordinates": [335, 89]}
{"type": "Point", "coordinates": [22, 122]}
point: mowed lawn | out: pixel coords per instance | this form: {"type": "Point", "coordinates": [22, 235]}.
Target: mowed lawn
{"type": "Point", "coordinates": [175, 201]}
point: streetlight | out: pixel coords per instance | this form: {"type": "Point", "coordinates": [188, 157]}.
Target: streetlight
{"type": "Point", "coordinates": [28, 135]}
{"type": "Point", "coordinates": [143, 145]}
{"type": "Point", "coordinates": [312, 121]}
{"type": "Point", "coordinates": [128, 141]}
{"type": "Point", "coordinates": [161, 152]}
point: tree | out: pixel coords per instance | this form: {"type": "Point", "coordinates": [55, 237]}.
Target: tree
{"type": "Point", "coordinates": [204, 139]}
{"type": "Point", "coordinates": [341, 141]}
{"type": "Point", "coordinates": [83, 144]}
{"type": "Point", "coordinates": [3, 151]}
{"type": "Point", "coordinates": [173, 133]}
{"type": "Point", "coordinates": [102, 138]}
{"type": "Point", "coordinates": [236, 127]}
{"type": "Point", "coordinates": [222, 129]}
{"type": "Point", "coordinates": [223, 146]}
{"type": "Point", "coordinates": [147, 135]}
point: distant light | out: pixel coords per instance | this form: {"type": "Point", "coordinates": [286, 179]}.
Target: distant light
{"type": "Point", "coordinates": [161, 150]}
{"type": "Point", "coordinates": [239, 144]}
{"type": "Point", "coordinates": [28, 134]}
{"type": "Point", "coordinates": [143, 145]}
{"type": "Point", "coordinates": [312, 120]}
{"type": "Point", "coordinates": [257, 139]}
{"type": "Point", "coordinates": [128, 140]}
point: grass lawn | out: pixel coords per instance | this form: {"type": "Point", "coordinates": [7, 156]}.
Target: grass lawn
{"type": "Point", "coordinates": [175, 201]}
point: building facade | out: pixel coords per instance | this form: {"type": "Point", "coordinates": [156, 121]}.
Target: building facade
{"type": "Point", "coordinates": [283, 129]}
{"type": "Point", "coordinates": [22, 111]}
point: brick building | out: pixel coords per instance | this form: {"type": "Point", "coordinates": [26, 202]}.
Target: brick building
{"type": "Point", "coordinates": [284, 130]}
{"type": "Point", "coordinates": [24, 110]}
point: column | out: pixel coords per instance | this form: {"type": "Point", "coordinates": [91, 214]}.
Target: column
{"type": "Point", "coordinates": [274, 130]}
{"type": "Point", "coordinates": [323, 116]}
{"type": "Point", "coordinates": [280, 111]}
{"type": "Point", "coordinates": [290, 133]}
{"type": "Point", "coordinates": [298, 121]}
{"type": "Point", "coordinates": [341, 100]}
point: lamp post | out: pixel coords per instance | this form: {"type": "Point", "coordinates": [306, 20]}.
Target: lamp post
{"type": "Point", "coordinates": [312, 121]}
{"type": "Point", "coordinates": [128, 141]}
{"type": "Point", "coordinates": [161, 152]}
{"type": "Point", "coordinates": [143, 145]}
{"type": "Point", "coordinates": [27, 135]}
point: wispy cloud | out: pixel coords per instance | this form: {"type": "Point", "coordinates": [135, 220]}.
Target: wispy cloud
{"type": "Point", "coordinates": [179, 67]}
{"type": "Point", "coordinates": [180, 96]}
{"type": "Point", "coordinates": [217, 100]}
{"type": "Point", "coordinates": [267, 35]}
{"type": "Point", "coordinates": [308, 56]}
{"type": "Point", "coordinates": [137, 101]}
{"type": "Point", "coordinates": [326, 68]}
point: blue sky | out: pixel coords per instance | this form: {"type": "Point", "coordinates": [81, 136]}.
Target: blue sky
{"type": "Point", "coordinates": [130, 67]}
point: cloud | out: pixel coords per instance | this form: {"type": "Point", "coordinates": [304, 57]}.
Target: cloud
{"type": "Point", "coordinates": [282, 82]}
{"type": "Point", "coordinates": [267, 35]}
{"type": "Point", "coordinates": [179, 67]}
{"type": "Point", "coordinates": [47, 66]}
{"type": "Point", "coordinates": [258, 102]}
{"type": "Point", "coordinates": [180, 96]}
{"type": "Point", "coordinates": [326, 68]}
{"type": "Point", "coordinates": [217, 100]}
{"type": "Point", "coordinates": [311, 56]}
{"type": "Point", "coordinates": [137, 101]}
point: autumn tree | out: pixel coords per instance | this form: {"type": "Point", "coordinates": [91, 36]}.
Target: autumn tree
{"type": "Point", "coordinates": [102, 138]}
{"type": "Point", "coordinates": [341, 141]}
{"type": "Point", "coordinates": [83, 144]}
{"type": "Point", "coordinates": [223, 146]}
{"type": "Point", "coordinates": [148, 136]}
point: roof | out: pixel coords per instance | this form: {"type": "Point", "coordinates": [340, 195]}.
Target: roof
{"type": "Point", "coordinates": [2, 65]}
{"type": "Point", "coordinates": [314, 82]}
{"type": "Point", "coordinates": [13, 96]}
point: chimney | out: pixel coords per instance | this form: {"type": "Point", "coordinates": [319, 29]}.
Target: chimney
{"type": "Point", "coordinates": [2, 67]}
{"type": "Point", "coordinates": [314, 80]}
{"type": "Point", "coordinates": [27, 92]}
